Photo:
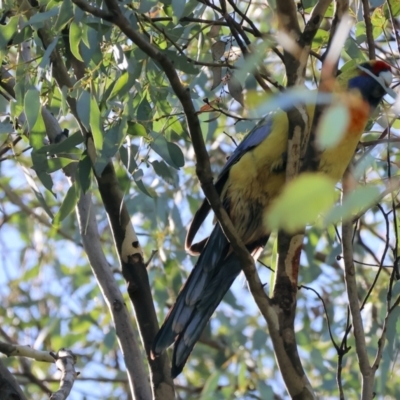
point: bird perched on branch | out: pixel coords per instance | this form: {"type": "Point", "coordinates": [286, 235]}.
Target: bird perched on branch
{"type": "Point", "coordinates": [252, 177]}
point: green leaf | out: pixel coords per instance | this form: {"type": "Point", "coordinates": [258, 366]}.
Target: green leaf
{"type": "Point", "coordinates": [361, 34]}
{"type": "Point", "coordinates": [113, 140]}
{"type": "Point", "coordinates": [395, 6]}
{"type": "Point", "coordinates": [301, 201]}
{"type": "Point", "coordinates": [75, 36]}
{"type": "Point", "coordinates": [85, 173]}
{"type": "Point", "coordinates": [67, 205]}
{"type": "Point", "coordinates": [83, 108]}
{"type": "Point", "coordinates": [251, 63]}
{"type": "Point", "coordinates": [32, 273]}
{"type": "Point", "coordinates": [128, 157]}
{"type": "Point", "coordinates": [91, 53]}
{"type": "Point", "coordinates": [168, 151]}
{"type": "Point", "coordinates": [266, 391]}
{"type": "Point", "coordinates": [121, 87]}
{"type": "Point", "coordinates": [208, 392]}
{"type": "Point", "coordinates": [38, 19]}
{"type": "Point", "coordinates": [65, 15]}
{"type": "Point", "coordinates": [32, 107]}
{"type": "Point", "coordinates": [178, 7]}
{"type": "Point", "coordinates": [378, 18]}
{"type": "Point", "coordinates": [8, 31]}
{"type": "Point", "coordinates": [190, 7]}
{"type": "Point", "coordinates": [46, 180]}
{"type": "Point", "coordinates": [332, 126]}
{"type": "Point", "coordinates": [242, 379]}
{"type": "Point", "coordinates": [144, 111]}
{"type": "Point", "coordinates": [142, 188]}
{"type": "Point", "coordinates": [360, 198]}
{"type": "Point", "coordinates": [320, 39]}
{"type": "Point", "coordinates": [36, 126]}
{"type": "Point", "coordinates": [136, 129]}
{"type": "Point", "coordinates": [95, 124]}
{"type": "Point", "coordinates": [52, 164]}
{"type": "Point", "coordinates": [181, 62]}
{"type": "Point", "coordinates": [352, 49]}
{"type": "Point", "coordinates": [163, 171]}
{"type": "Point", "coordinates": [36, 191]}
{"type": "Point", "coordinates": [65, 146]}
{"type": "Point", "coordinates": [47, 53]}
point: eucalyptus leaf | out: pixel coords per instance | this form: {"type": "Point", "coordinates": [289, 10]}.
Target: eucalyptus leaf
{"type": "Point", "coordinates": [67, 205]}
{"type": "Point", "coordinates": [301, 201]}
{"type": "Point", "coordinates": [169, 152]}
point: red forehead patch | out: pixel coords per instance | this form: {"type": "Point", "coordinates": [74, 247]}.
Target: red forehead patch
{"type": "Point", "coordinates": [379, 66]}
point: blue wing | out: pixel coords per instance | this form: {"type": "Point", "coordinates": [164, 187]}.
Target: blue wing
{"type": "Point", "coordinates": [257, 135]}
{"type": "Point", "coordinates": [213, 274]}
{"type": "Point", "coordinates": [252, 139]}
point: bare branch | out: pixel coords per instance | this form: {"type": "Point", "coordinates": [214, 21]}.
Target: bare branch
{"type": "Point", "coordinates": [313, 24]}
{"type": "Point", "coordinates": [341, 8]}
{"type": "Point", "coordinates": [112, 295]}
{"type": "Point", "coordinates": [369, 29]}
{"type": "Point", "coordinates": [287, 14]}
{"type": "Point", "coordinates": [343, 350]}
{"type": "Point", "coordinates": [297, 385]}
{"type": "Point", "coordinates": [65, 361]}
{"type": "Point", "coordinates": [15, 350]}
{"type": "Point", "coordinates": [129, 252]}
{"type": "Point", "coordinates": [351, 288]}
{"type": "Point", "coordinates": [385, 217]}
{"type": "Point", "coordinates": [107, 283]}
{"type": "Point", "coordinates": [326, 314]}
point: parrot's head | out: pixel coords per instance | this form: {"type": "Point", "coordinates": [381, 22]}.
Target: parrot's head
{"type": "Point", "coordinates": [371, 79]}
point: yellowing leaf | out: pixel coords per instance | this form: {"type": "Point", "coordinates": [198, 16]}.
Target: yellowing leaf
{"type": "Point", "coordinates": [235, 89]}
{"type": "Point", "coordinates": [218, 50]}
{"type": "Point", "coordinates": [211, 105]}
{"type": "Point", "coordinates": [217, 76]}
{"type": "Point", "coordinates": [301, 201]}
{"type": "Point", "coordinates": [214, 31]}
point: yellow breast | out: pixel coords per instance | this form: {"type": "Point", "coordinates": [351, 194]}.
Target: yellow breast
{"type": "Point", "coordinates": [259, 176]}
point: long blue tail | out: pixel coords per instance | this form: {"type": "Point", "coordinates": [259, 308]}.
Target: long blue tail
{"type": "Point", "coordinates": [207, 284]}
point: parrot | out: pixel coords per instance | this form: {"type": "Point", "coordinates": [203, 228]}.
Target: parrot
{"type": "Point", "coordinates": [250, 180]}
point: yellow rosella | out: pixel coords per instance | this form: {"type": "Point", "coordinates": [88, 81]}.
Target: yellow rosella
{"type": "Point", "coordinates": [252, 177]}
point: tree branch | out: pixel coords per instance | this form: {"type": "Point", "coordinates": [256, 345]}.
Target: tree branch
{"type": "Point", "coordinates": [351, 288]}
{"type": "Point", "coordinates": [65, 361]}
{"type": "Point", "coordinates": [204, 174]}
{"type": "Point", "coordinates": [369, 30]}
{"type": "Point", "coordinates": [100, 267]}
{"type": "Point", "coordinates": [128, 249]}
{"type": "Point", "coordinates": [15, 350]}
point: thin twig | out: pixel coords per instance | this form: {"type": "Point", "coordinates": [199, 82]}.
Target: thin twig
{"type": "Point", "coordinates": [343, 350]}
{"type": "Point", "coordinates": [326, 314]}
{"type": "Point", "coordinates": [245, 18]}
{"type": "Point", "coordinates": [382, 258]}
